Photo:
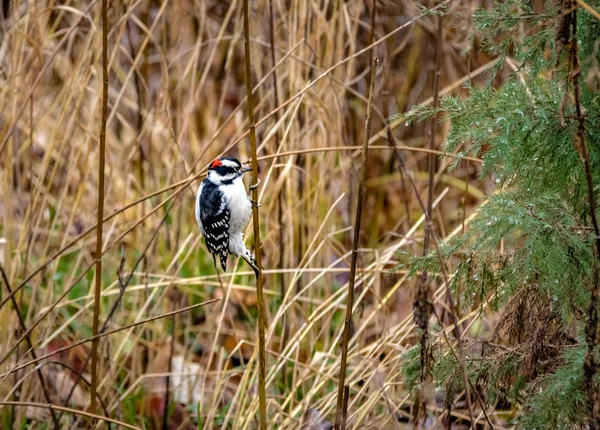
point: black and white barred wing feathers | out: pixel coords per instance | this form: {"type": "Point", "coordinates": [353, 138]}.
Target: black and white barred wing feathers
{"type": "Point", "coordinates": [213, 218]}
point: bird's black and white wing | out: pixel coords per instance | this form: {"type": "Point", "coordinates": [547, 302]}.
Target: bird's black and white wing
{"type": "Point", "coordinates": [213, 217]}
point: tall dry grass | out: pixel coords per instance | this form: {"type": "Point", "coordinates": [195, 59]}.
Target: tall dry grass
{"type": "Point", "coordinates": [176, 100]}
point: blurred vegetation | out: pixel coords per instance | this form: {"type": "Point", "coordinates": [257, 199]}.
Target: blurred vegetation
{"type": "Point", "coordinates": [511, 213]}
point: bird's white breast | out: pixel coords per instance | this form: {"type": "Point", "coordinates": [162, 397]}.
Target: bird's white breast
{"type": "Point", "coordinates": [238, 203]}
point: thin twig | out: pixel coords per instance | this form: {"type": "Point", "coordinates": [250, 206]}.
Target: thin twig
{"type": "Point", "coordinates": [262, 399]}
{"type": "Point", "coordinates": [404, 192]}
{"type": "Point", "coordinates": [76, 372]}
{"type": "Point", "coordinates": [282, 248]}
{"type": "Point", "coordinates": [165, 417]}
{"type": "Point", "coordinates": [30, 345]}
{"type": "Point", "coordinates": [345, 405]}
{"type": "Point", "coordinates": [590, 9]}
{"type": "Point", "coordinates": [371, 147]}
{"type": "Point", "coordinates": [355, 243]}
{"type": "Point", "coordinates": [139, 118]}
{"type": "Point", "coordinates": [100, 211]}
{"type": "Point", "coordinates": [423, 306]}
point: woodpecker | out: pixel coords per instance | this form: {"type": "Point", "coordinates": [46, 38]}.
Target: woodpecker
{"type": "Point", "coordinates": [223, 209]}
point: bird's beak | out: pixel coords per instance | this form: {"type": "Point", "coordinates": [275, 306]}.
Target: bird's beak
{"type": "Point", "coordinates": [246, 169]}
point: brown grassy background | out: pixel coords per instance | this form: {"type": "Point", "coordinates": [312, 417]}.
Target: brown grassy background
{"type": "Point", "coordinates": [176, 101]}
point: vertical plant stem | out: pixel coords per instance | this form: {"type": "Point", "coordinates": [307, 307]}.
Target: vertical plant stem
{"type": "Point", "coordinates": [464, 203]}
{"type": "Point", "coordinates": [139, 119]}
{"type": "Point", "coordinates": [6, 8]}
{"type": "Point", "coordinates": [280, 195]}
{"type": "Point", "coordinates": [262, 400]}
{"type": "Point", "coordinates": [432, 146]}
{"type": "Point", "coordinates": [423, 306]}
{"type": "Point", "coordinates": [55, 419]}
{"type": "Point", "coordinates": [100, 212]}
{"type": "Point", "coordinates": [345, 405]}
{"type": "Point", "coordinates": [355, 242]}
{"type": "Point", "coordinates": [590, 364]}
{"type": "Point", "coordinates": [403, 190]}
{"type": "Point", "coordinates": [165, 418]}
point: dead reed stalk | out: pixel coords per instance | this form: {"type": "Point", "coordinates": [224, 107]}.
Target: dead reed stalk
{"type": "Point", "coordinates": [590, 364]}
{"type": "Point", "coordinates": [256, 224]}
{"type": "Point", "coordinates": [100, 211]}
{"type": "Point", "coordinates": [423, 306]}
{"type": "Point", "coordinates": [340, 412]}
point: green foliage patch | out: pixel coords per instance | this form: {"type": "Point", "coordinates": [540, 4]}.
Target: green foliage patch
{"type": "Point", "coordinates": [528, 254]}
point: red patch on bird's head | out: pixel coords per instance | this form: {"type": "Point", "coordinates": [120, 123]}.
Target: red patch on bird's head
{"type": "Point", "coordinates": [216, 163]}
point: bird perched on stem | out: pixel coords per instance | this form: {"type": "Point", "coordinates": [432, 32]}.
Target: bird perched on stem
{"type": "Point", "coordinates": [223, 209]}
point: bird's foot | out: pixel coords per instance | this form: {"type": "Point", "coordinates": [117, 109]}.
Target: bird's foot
{"type": "Point", "coordinates": [254, 186]}
{"type": "Point", "coordinates": [255, 203]}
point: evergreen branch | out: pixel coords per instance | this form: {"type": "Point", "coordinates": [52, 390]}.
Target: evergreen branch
{"type": "Point", "coordinates": [545, 269]}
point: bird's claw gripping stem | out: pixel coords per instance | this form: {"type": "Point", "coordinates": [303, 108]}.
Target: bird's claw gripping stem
{"type": "Point", "coordinates": [254, 186]}
{"type": "Point", "coordinates": [255, 204]}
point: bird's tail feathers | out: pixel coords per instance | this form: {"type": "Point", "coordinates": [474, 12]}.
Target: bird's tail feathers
{"type": "Point", "coordinates": [222, 260]}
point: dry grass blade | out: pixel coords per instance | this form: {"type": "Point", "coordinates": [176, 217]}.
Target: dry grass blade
{"type": "Point", "coordinates": [340, 412]}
